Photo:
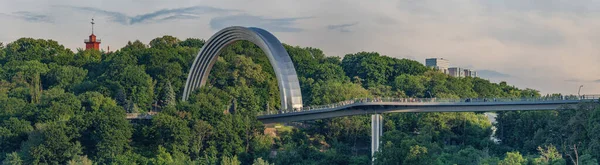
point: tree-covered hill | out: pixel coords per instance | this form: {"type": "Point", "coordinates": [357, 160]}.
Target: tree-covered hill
{"type": "Point", "coordinates": [63, 107]}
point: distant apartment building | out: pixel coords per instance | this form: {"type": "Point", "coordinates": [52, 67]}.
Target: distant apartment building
{"type": "Point", "coordinates": [456, 72]}
{"type": "Point", "coordinates": [443, 65]}
{"type": "Point", "coordinates": [470, 73]}
{"type": "Point", "coordinates": [461, 72]}
{"type": "Point", "coordinates": [440, 64]}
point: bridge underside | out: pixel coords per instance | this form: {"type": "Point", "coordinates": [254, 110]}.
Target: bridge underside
{"type": "Point", "coordinates": [378, 108]}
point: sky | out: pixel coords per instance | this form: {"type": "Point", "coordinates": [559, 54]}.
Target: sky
{"type": "Point", "coordinates": [549, 45]}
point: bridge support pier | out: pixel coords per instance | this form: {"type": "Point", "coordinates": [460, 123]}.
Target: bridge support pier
{"type": "Point", "coordinates": [376, 132]}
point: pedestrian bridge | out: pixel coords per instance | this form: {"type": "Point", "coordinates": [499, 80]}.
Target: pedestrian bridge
{"type": "Point", "coordinates": [368, 106]}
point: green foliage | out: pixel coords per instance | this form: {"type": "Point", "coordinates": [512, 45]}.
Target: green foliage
{"type": "Point", "coordinates": [167, 96]}
{"type": "Point", "coordinates": [26, 49]}
{"type": "Point", "coordinates": [412, 85]}
{"type": "Point", "coordinates": [64, 77]}
{"type": "Point", "coordinates": [80, 160]}
{"type": "Point", "coordinates": [369, 66]}
{"type": "Point", "coordinates": [12, 159]}
{"type": "Point", "coordinates": [51, 143]}
{"type": "Point", "coordinates": [171, 132]}
{"type": "Point", "coordinates": [192, 42]}
{"type": "Point", "coordinates": [59, 107]}
{"type": "Point", "coordinates": [322, 92]}
{"type": "Point", "coordinates": [226, 160]}
{"type": "Point", "coordinates": [549, 155]}
{"type": "Point", "coordinates": [513, 158]}
{"type": "Point", "coordinates": [135, 83]}
{"type": "Point", "coordinates": [12, 132]}
{"type": "Point", "coordinates": [108, 134]}
{"type": "Point", "coordinates": [587, 159]}
{"type": "Point", "coordinates": [260, 161]}
{"type": "Point", "coordinates": [164, 42]}
{"type": "Point", "coordinates": [163, 157]}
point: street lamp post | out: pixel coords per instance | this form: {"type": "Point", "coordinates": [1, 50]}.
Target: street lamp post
{"type": "Point", "coordinates": [578, 91]}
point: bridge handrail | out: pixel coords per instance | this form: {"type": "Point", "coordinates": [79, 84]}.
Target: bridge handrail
{"type": "Point", "coordinates": [435, 100]}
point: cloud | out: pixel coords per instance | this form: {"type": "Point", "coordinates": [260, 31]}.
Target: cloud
{"type": "Point", "coordinates": [179, 16]}
{"type": "Point", "coordinates": [156, 16]}
{"type": "Point", "coordinates": [525, 32]}
{"type": "Point", "coordinates": [189, 11]}
{"type": "Point", "coordinates": [583, 81]}
{"type": "Point", "coordinates": [114, 16]}
{"type": "Point", "coordinates": [543, 6]}
{"type": "Point", "coordinates": [574, 80]}
{"type": "Point", "coordinates": [30, 16]}
{"type": "Point", "coordinates": [342, 27]}
{"type": "Point", "coordinates": [491, 74]}
{"type": "Point", "coordinates": [274, 25]}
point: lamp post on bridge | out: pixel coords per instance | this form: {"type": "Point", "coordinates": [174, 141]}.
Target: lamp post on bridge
{"type": "Point", "coordinates": [430, 96]}
{"type": "Point", "coordinates": [578, 91]}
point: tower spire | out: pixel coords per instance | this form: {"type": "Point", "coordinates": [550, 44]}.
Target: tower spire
{"type": "Point", "coordinates": [93, 25]}
{"type": "Point", "coordinates": [92, 42]}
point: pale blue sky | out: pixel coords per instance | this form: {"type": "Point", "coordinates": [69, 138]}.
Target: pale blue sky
{"type": "Point", "coordinates": [550, 45]}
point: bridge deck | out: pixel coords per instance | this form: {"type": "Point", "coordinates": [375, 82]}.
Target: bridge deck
{"type": "Point", "coordinates": [390, 105]}
{"type": "Point", "coordinates": [364, 108]}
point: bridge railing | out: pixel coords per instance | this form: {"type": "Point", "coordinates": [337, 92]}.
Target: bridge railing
{"type": "Point", "coordinates": [436, 100]}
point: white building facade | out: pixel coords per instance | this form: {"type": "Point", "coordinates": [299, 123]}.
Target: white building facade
{"type": "Point", "coordinates": [443, 65]}
{"type": "Point", "coordinates": [440, 64]}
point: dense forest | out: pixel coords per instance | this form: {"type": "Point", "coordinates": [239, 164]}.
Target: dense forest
{"type": "Point", "coordinates": [63, 107]}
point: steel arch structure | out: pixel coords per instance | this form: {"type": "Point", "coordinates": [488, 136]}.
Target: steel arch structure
{"type": "Point", "coordinates": [287, 79]}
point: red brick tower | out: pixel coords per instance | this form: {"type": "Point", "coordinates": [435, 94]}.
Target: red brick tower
{"type": "Point", "coordinates": [92, 42]}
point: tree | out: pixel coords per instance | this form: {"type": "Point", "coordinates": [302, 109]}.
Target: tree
{"type": "Point", "coordinates": [172, 132]}
{"type": "Point", "coordinates": [226, 160]}
{"type": "Point", "coordinates": [51, 143]}
{"type": "Point", "coordinates": [485, 89]}
{"type": "Point", "coordinates": [135, 83]}
{"type": "Point", "coordinates": [411, 85]}
{"type": "Point", "coordinates": [416, 154]}
{"type": "Point", "coordinates": [167, 96]}
{"type": "Point", "coordinates": [133, 46]}
{"type": "Point", "coordinates": [549, 155]}
{"type": "Point", "coordinates": [164, 42]}
{"type": "Point", "coordinates": [63, 76]}
{"type": "Point", "coordinates": [332, 92]}
{"type": "Point", "coordinates": [192, 42]}
{"type": "Point", "coordinates": [12, 132]}
{"type": "Point", "coordinates": [201, 132]}
{"type": "Point", "coordinates": [80, 160]}
{"type": "Point", "coordinates": [29, 49]}
{"type": "Point", "coordinates": [587, 159]}
{"type": "Point", "coordinates": [369, 66]}
{"type": "Point", "coordinates": [260, 161]}
{"type": "Point", "coordinates": [163, 157]}
{"type": "Point", "coordinates": [28, 72]}
{"type": "Point", "coordinates": [12, 159]}
{"type": "Point", "coordinates": [513, 158]}
{"type": "Point", "coordinates": [85, 58]}
{"type": "Point", "coordinates": [2, 52]}
{"type": "Point", "coordinates": [108, 134]}
{"type": "Point", "coordinates": [465, 156]}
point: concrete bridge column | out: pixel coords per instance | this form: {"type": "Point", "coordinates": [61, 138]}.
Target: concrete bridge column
{"type": "Point", "coordinates": [376, 132]}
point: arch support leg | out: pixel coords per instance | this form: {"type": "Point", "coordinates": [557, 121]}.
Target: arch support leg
{"type": "Point", "coordinates": [376, 133]}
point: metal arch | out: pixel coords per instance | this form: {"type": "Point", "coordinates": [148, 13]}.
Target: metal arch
{"type": "Point", "coordinates": [287, 79]}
